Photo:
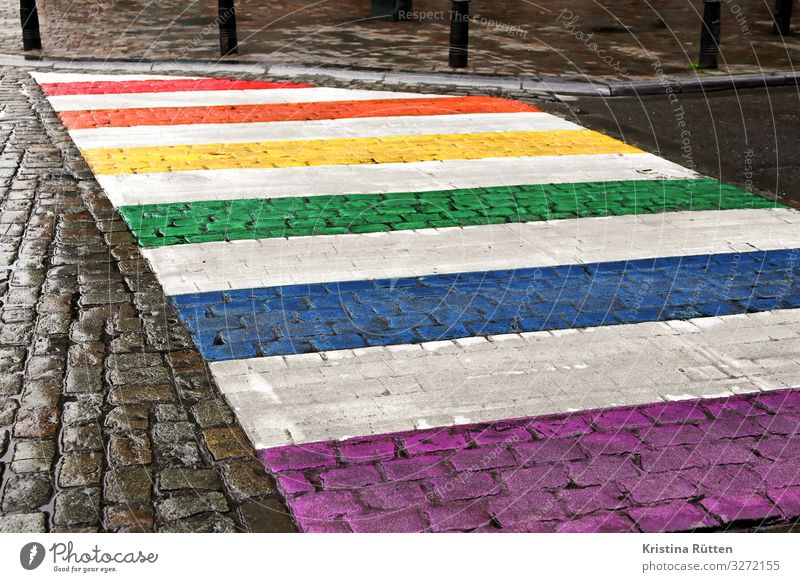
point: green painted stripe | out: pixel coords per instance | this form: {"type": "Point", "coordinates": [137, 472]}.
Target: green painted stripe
{"type": "Point", "coordinates": [191, 222]}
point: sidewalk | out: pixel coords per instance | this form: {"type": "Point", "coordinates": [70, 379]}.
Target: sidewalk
{"type": "Point", "coordinates": [614, 41]}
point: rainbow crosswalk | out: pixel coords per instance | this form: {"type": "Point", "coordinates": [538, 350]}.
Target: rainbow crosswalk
{"type": "Point", "coordinates": [435, 313]}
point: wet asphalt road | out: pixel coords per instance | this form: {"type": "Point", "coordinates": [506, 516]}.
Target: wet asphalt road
{"type": "Point", "coordinates": [750, 138]}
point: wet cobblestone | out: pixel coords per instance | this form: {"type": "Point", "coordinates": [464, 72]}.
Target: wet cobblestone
{"type": "Point", "coordinates": [155, 396]}
{"type": "Point", "coordinates": [108, 419]}
{"type": "Point", "coordinates": [625, 39]}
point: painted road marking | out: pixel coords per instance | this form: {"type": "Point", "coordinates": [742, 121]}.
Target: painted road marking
{"type": "Point", "coordinates": [676, 466]}
{"type": "Point", "coordinates": [732, 318]}
{"type": "Point", "coordinates": [383, 108]}
{"type": "Point", "coordinates": [211, 98]}
{"type": "Point", "coordinates": [334, 395]}
{"type": "Point", "coordinates": [199, 185]}
{"type": "Point", "coordinates": [156, 225]}
{"type": "Point", "coordinates": [151, 136]}
{"type": "Point", "coordinates": [344, 151]}
{"type": "Point", "coordinates": [216, 266]}
{"type": "Point", "coordinates": [159, 86]}
{"type": "Point", "coordinates": [270, 321]}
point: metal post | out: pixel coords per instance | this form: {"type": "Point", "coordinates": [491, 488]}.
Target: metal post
{"type": "Point", "coordinates": [783, 17]}
{"type": "Point", "coordinates": [393, 10]}
{"type": "Point", "coordinates": [459, 34]}
{"type": "Point", "coordinates": [29, 16]}
{"type": "Point", "coordinates": [709, 34]}
{"type": "Point", "coordinates": [228, 43]}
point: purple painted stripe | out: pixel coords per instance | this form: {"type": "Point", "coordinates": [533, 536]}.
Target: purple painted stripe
{"type": "Point", "coordinates": [678, 466]}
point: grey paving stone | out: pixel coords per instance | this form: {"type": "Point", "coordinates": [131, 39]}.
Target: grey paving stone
{"type": "Point", "coordinates": [175, 478]}
{"type": "Point", "coordinates": [129, 449]}
{"type": "Point", "coordinates": [213, 413]}
{"type": "Point", "coordinates": [130, 485]}
{"type": "Point", "coordinates": [143, 376]}
{"type": "Point", "coordinates": [8, 408]}
{"type": "Point", "coordinates": [78, 469]}
{"type": "Point", "coordinates": [170, 413]}
{"type": "Point", "coordinates": [134, 360]}
{"type": "Point", "coordinates": [10, 384]}
{"type": "Point", "coordinates": [86, 437]}
{"type": "Point", "coordinates": [82, 411]}
{"type": "Point", "coordinates": [166, 433]}
{"type": "Point", "coordinates": [77, 506]}
{"type": "Point", "coordinates": [23, 523]}
{"type": "Point", "coordinates": [127, 418]}
{"type": "Point", "coordinates": [83, 379]}
{"type": "Point", "coordinates": [86, 354]}
{"type": "Point", "coordinates": [26, 492]}
{"type": "Point", "coordinates": [214, 523]}
{"type": "Point", "coordinates": [34, 449]}
{"type": "Point", "coordinates": [183, 506]}
{"type": "Point", "coordinates": [30, 466]}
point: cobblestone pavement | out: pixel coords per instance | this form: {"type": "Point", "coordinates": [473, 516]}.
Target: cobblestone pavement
{"type": "Point", "coordinates": [108, 420]}
{"type": "Point", "coordinates": [403, 308]}
{"type": "Point", "coordinates": [613, 40]}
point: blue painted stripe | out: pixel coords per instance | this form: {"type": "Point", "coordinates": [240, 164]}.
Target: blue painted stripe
{"type": "Point", "coordinates": [331, 316]}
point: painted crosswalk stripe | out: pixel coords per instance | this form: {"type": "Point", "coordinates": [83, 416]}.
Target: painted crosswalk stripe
{"type": "Point", "coordinates": [158, 225]}
{"type": "Point", "coordinates": [219, 266]}
{"type": "Point", "coordinates": [152, 136]}
{"type": "Point", "coordinates": [676, 466]}
{"type": "Point", "coordinates": [262, 113]}
{"type": "Point", "coordinates": [269, 321]}
{"type": "Point", "coordinates": [216, 98]}
{"type": "Point", "coordinates": [401, 388]}
{"type": "Point", "coordinates": [257, 183]}
{"type": "Point", "coordinates": [159, 86]}
{"type": "Point", "coordinates": [346, 151]}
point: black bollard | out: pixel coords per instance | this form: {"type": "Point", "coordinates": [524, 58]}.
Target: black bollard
{"type": "Point", "coordinates": [459, 34]}
{"type": "Point", "coordinates": [783, 17]}
{"type": "Point", "coordinates": [29, 16]}
{"type": "Point", "coordinates": [228, 43]}
{"type": "Point", "coordinates": [393, 10]}
{"type": "Point", "coordinates": [709, 34]}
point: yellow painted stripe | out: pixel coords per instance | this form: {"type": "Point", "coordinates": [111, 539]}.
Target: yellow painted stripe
{"type": "Point", "coordinates": [373, 150]}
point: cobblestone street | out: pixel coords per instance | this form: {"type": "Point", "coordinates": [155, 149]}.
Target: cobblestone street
{"type": "Point", "coordinates": [389, 311]}
{"type": "Point", "coordinates": [108, 420]}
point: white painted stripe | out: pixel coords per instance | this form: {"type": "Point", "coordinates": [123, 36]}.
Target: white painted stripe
{"type": "Point", "coordinates": [211, 98]}
{"type": "Point", "coordinates": [197, 185]}
{"type": "Point", "coordinates": [270, 262]}
{"type": "Point", "coordinates": [279, 400]}
{"type": "Point", "coordinates": [118, 137]}
{"type": "Point", "coordinates": [48, 77]}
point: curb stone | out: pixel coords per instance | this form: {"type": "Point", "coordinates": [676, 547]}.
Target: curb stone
{"type": "Point", "coordinates": [555, 85]}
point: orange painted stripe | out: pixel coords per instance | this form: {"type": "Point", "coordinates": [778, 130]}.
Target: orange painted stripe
{"type": "Point", "coordinates": [160, 86]}
{"type": "Point", "coordinates": [289, 111]}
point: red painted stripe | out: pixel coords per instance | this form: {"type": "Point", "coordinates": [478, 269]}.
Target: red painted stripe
{"type": "Point", "coordinates": [160, 86]}
{"type": "Point", "coordinates": [289, 111]}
